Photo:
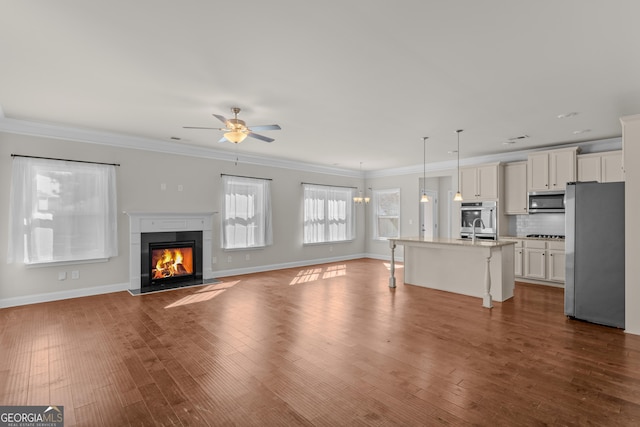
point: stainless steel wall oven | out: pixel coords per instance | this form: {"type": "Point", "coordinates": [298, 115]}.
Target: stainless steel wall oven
{"type": "Point", "coordinates": [484, 214]}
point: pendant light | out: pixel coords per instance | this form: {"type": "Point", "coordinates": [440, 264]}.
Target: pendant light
{"type": "Point", "coordinates": [458, 196]}
{"type": "Point", "coordinates": [424, 198]}
{"type": "Point", "coordinates": [358, 200]}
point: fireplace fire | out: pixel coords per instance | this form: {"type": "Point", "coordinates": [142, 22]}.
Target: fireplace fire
{"type": "Point", "coordinates": [170, 259]}
{"type": "Point", "coordinates": [171, 262]}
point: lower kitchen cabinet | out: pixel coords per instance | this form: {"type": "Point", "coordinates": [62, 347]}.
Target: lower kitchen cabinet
{"type": "Point", "coordinates": [555, 261]}
{"type": "Point", "coordinates": [535, 262]}
{"type": "Point", "coordinates": [543, 260]}
{"type": "Point", "coordinates": [518, 259]}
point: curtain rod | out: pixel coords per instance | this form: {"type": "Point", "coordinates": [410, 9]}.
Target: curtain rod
{"type": "Point", "coordinates": [66, 160]}
{"type": "Point", "coordinates": [327, 185]}
{"type": "Point", "coordinates": [249, 177]}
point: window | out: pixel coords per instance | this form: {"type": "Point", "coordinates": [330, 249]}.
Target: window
{"type": "Point", "coordinates": [386, 212]}
{"type": "Point", "coordinates": [247, 213]}
{"type": "Point", "coordinates": [328, 214]}
{"type": "Point", "coordinates": [62, 211]}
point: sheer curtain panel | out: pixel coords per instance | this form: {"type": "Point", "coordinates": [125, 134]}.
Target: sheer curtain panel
{"type": "Point", "coordinates": [328, 214]}
{"type": "Point", "coordinates": [247, 213]}
{"type": "Point", "coordinates": [61, 211]}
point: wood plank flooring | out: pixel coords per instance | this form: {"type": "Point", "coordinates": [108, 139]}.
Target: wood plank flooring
{"type": "Point", "coordinates": [326, 345]}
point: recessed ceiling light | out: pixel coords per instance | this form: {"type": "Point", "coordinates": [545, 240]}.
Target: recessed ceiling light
{"type": "Point", "coordinates": [578, 132]}
{"type": "Point", "coordinates": [516, 138]}
{"type": "Point", "coordinates": [175, 138]}
{"type": "Point", "coordinates": [567, 115]}
{"type": "Point", "coordinates": [452, 152]}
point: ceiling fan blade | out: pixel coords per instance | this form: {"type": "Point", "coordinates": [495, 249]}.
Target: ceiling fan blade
{"type": "Point", "coordinates": [223, 139]}
{"type": "Point", "coordinates": [261, 137]}
{"type": "Point", "coordinates": [265, 127]}
{"type": "Point", "coordinates": [198, 127]}
{"type": "Point", "coordinates": [222, 119]}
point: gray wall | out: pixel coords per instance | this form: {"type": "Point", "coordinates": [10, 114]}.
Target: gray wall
{"type": "Point", "coordinates": [139, 189]}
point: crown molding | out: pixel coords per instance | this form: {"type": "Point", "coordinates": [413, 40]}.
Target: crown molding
{"type": "Point", "coordinates": [595, 146]}
{"type": "Point", "coordinates": [68, 133]}
{"type": "Point", "coordinates": [48, 130]}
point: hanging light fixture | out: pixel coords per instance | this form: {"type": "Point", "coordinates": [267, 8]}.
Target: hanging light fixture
{"type": "Point", "coordinates": [424, 198]}
{"type": "Point", "coordinates": [458, 196]}
{"type": "Point", "coordinates": [359, 199]}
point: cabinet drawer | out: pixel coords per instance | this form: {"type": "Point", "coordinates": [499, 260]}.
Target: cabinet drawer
{"type": "Point", "coordinates": [558, 246]}
{"type": "Point", "coordinates": [535, 244]}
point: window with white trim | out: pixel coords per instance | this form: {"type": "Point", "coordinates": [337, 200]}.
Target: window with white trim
{"type": "Point", "coordinates": [328, 214]}
{"type": "Point", "coordinates": [247, 213]}
{"type": "Point", "coordinates": [62, 211]}
{"type": "Point", "coordinates": [386, 213]}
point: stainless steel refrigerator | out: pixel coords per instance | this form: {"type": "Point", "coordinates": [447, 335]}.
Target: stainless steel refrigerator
{"type": "Point", "coordinates": [594, 244]}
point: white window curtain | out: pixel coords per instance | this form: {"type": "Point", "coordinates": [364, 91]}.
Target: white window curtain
{"type": "Point", "coordinates": [247, 213]}
{"type": "Point", "coordinates": [386, 205]}
{"type": "Point", "coordinates": [328, 214]}
{"type": "Point", "coordinates": [61, 211]}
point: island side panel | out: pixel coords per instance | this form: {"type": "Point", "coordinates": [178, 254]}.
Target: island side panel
{"type": "Point", "coordinates": [460, 269]}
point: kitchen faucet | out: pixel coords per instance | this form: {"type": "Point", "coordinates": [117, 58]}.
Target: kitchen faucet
{"type": "Point", "coordinates": [473, 235]}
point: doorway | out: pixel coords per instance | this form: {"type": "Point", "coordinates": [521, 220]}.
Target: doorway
{"type": "Point", "coordinates": [429, 216]}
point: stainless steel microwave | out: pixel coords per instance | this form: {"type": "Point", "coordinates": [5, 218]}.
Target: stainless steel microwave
{"type": "Point", "coordinates": [546, 202]}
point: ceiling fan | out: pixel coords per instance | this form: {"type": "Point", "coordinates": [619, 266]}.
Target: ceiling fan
{"type": "Point", "coordinates": [236, 130]}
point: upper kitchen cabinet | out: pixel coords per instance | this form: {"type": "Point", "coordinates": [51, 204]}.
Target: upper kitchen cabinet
{"type": "Point", "coordinates": [601, 167]}
{"type": "Point", "coordinates": [551, 170]}
{"type": "Point", "coordinates": [480, 182]}
{"type": "Point", "coordinates": [515, 188]}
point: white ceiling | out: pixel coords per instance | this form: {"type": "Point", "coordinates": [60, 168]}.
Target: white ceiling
{"type": "Point", "coordinates": [348, 81]}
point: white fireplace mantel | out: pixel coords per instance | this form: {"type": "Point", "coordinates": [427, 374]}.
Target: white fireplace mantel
{"type": "Point", "coordinates": [157, 222]}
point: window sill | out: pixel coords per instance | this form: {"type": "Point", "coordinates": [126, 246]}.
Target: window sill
{"type": "Point", "coordinates": [62, 263]}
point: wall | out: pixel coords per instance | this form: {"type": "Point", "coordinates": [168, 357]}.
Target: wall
{"type": "Point", "coordinates": [631, 160]}
{"type": "Point", "coordinates": [139, 189]}
{"type": "Point", "coordinates": [409, 185]}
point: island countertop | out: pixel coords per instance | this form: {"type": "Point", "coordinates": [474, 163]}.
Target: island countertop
{"type": "Point", "coordinates": [457, 242]}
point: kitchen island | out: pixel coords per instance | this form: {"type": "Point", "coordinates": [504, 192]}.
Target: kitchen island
{"type": "Point", "coordinates": [483, 269]}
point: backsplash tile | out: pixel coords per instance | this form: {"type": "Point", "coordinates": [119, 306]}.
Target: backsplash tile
{"type": "Point", "coordinates": [521, 225]}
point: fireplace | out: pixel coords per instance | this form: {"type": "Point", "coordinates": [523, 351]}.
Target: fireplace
{"type": "Point", "coordinates": [170, 259]}
{"type": "Point", "coordinates": [163, 227]}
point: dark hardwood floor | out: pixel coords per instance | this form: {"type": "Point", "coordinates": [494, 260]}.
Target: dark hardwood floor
{"type": "Point", "coordinates": [326, 345]}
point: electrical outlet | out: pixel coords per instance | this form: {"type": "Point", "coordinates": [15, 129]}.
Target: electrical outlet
{"type": "Point", "coordinates": [62, 275]}
{"type": "Point", "coordinates": [247, 257]}
{"type": "Point", "coordinates": [180, 187]}
{"type": "Point", "coordinates": [410, 222]}
{"type": "Point", "coordinates": [163, 186]}
{"type": "Point", "coordinates": [229, 258]}
{"type": "Point", "coordinates": [214, 260]}
{"type": "Point", "coordinates": [75, 274]}
{"type": "Point", "coordinates": [330, 248]}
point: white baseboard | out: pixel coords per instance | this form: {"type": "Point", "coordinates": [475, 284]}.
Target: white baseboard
{"type": "Point", "coordinates": [383, 257]}
{"type": "Point", "coordinates": [60, 295]}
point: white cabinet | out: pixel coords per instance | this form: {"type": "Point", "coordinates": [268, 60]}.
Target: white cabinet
{"type": "Point", "coordinates": [535, 262]}
{"type": "Point", "coordinates": [479, 182]}
{"type": "Point", "coordinates": [601, 167]}
{"type": "Point", "coordinates": [519, 259]}
{"type": "Point", "coordinates": [555, 261]}
{"type": "Point", "coordinates": [543, 260]}
{"type": "Point", "coordinates": [551, 170]}
{"type": "Point", "coordinates": [515, 188]}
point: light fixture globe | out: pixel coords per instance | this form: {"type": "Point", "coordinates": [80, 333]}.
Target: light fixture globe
{"type": "Point", "coordinates": [235, 136]}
